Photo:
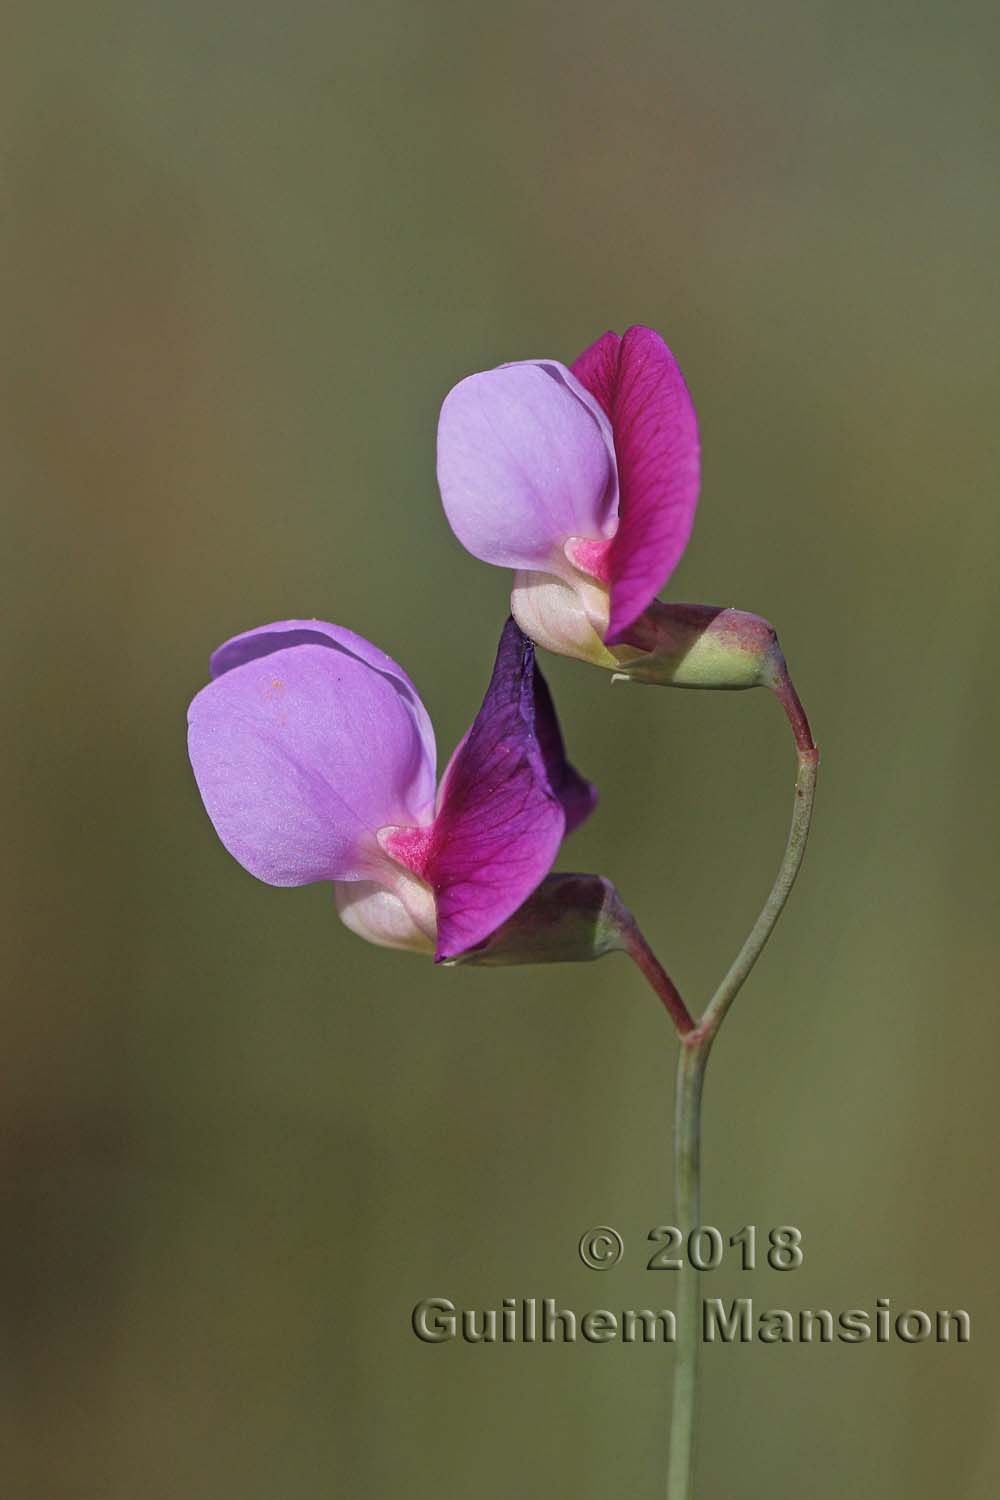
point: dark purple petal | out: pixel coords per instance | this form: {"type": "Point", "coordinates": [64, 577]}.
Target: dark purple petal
{"type": "Point", "coordinates": [577, 795]}
{"type": "Point", "coordinates": [639, 385]}
{"type": "Point", "coordinates": [500, 823]}
{"type": "Point", "coordinates": [306, 743]}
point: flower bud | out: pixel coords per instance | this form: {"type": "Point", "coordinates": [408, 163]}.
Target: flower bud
{"type": "Point", "coordinates": [701, 646]}
{"type": "Point", "coordinates": [569, 919]}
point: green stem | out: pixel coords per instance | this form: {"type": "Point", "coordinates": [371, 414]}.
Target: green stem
{"type": "Point", "coordinates": [687, 1211]}
{"type": "Point", "coordinates": [805, 789]}
{"type": "Point", "coordinates": [694, 1053]}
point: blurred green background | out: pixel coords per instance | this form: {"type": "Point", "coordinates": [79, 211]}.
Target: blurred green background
{"type": "Point", "coordinates": [246, 251]}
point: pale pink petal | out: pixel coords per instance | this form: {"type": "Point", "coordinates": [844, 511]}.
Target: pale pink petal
{"type": "Point", "coordinates": [525, 461]}
{"type": "Point", "coordinates": [304, 751]}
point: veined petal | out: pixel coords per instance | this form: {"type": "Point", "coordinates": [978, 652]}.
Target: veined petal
{"type": "Point", "coordinates": [525, 461]}
{"type": "Point", "coordinates": [306, 743]}
{"type": "Point", "coordinates": [597, 369]}
{"type": "Point", "coordinates": [500, 821]}
{"type": "Point", "coordinates": [639, 385]}
{"type": "Point", "coordinates": [577, 795]}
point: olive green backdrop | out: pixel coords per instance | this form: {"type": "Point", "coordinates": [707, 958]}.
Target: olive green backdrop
{"type": "Point", "coordinates": [247, 249]}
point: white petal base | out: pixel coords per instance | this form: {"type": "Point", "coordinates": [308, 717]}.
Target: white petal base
{"type": "Point", "coordinates": [567, 618]}
{"type": "Point", "coordinates": [381, 917]}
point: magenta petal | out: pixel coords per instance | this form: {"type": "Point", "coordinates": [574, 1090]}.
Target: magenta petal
{"type": "Point", "coordinates": [500, 823]}
{"type": "Point", "coordinates": [577, 795]}
{"type": "Point", "coordinates": [597, 370]}
{"type": "Point", "coordinates": [639, 384]}
{"type": "Point", "coordinates": [525, 461]}
{"type": "Point", "coordinates": [308, 742]}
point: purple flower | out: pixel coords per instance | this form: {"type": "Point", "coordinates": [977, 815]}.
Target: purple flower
{"type": "Point", "coordinates": [583, 480]}
{"type": "Point", "coordinates": [315, 759]}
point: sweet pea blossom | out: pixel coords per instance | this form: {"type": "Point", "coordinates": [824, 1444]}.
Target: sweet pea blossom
{"type": "Point", "coordinates": [316, 761]}
{"type": "Point", "coordinates": [583, 479]}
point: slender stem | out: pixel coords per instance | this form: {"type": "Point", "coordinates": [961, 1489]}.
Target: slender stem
{"type": "Point", "coordinates": [805, 789]}
{"type": "Point", "coordinates": [632, 942]}
{"type": "Point", "coordinates": [694, 1052]}
{"type": "Point", "coordinates": [780, 682]}
{"type": "Point", "coordinates": [687, 1211]}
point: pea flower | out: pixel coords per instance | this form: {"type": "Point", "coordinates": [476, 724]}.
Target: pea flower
{"type": "Point", "coordinates": [316, 761]}
{"type": "Point", "coordinates": [584, 480]}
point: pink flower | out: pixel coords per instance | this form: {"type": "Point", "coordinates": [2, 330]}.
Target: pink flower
{"type": "Point", "coordinates": [583, 480]}
{"type": "Point", "coordinates": [315, 759]}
